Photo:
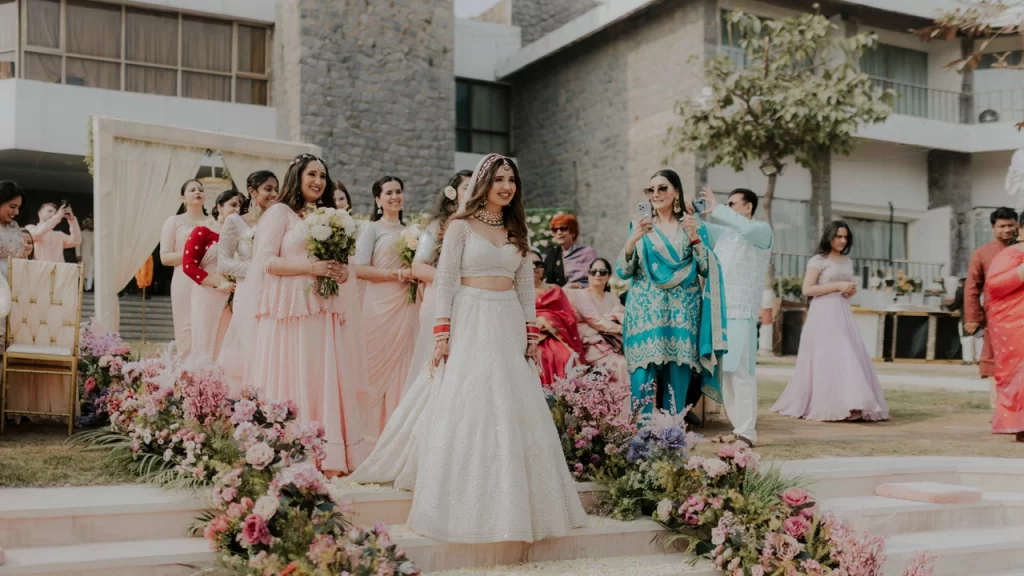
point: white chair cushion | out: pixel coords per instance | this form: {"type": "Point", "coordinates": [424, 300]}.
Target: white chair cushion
{"type": "Point", "coordinates": [39, 350]}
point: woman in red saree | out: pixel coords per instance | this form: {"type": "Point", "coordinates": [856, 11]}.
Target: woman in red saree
{"type": "Point", "coordinates": [1004, 297]}
{"type": "Point", "coordinates": [560, 337]}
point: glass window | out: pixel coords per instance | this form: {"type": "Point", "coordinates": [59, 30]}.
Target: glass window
{"type": "Point", "coordinates": [42, 24]}
{"type": "Point", "coordinates": [206, 86]}
{"type": "Point", "coordinates": [42, 67]}
{"type": "Point", "coordinates": [151, 37]}
{"type": "Point", "coordinates": [93, 29]}
{"type": "Point", "coordinates": [206, 45]}
{"type": "Point", "coordinates": [252, 49]}
{"type": "Point", "coordinates": [989, 60]}
{"type": "Point", "coordinates": [249, 91]}
{"type": "Point", "coordinates": [148, 80]}
{"type": "Point", "coordinates": [8, 25]}
{"type": "Point", "coordinates": [481, 118]}
{"type": "Point", "coordinates": [93, 73]}
{"type": "Point", "coordinates": [903, 70]}
{"type": "Point", "coordinates": [7, 67]}
{"type": "Point", "coordinates": [871, 239]}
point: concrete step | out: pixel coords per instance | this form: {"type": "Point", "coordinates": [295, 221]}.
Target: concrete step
{"type": "Point", "coordinates": [960, 552]}
{"type": "Point", "coordinates": [603, 538]}
{"type": "Point", "coordinates": [44, 517]}
{"type": "Point", "coordinates": [165, 557]}
{"type": "Point", "coordinates": [888, 517]}
{"type": "Point", "coordinates": [653, 565]}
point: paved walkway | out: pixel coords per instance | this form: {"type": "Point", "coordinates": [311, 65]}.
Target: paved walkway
{"type": "Point", "coordinates": [944, 377]}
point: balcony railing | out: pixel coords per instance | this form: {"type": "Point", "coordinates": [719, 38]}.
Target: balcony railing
{"type": "Point", "coordinates": [1005, 106]}
{"type": "Point", "coordinates": [794, 265]}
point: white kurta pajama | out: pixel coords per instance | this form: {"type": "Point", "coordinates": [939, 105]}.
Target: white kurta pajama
{"type": "Point", "coordinates": [743, 247]}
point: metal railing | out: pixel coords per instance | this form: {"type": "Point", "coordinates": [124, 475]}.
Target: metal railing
{"type": "Point", "coordinates": [924, 102]}
{"type": "Point", "coordinates": [794, 266]}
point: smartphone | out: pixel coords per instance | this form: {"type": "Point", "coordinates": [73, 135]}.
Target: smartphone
{"type": "Point", "coordinates": [699, 206]}
{"type": "Point", "coordinates": [643, 210]}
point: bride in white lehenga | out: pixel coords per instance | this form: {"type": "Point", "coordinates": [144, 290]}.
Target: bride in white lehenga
{"type": "Point", "coordinates": [485, 463]}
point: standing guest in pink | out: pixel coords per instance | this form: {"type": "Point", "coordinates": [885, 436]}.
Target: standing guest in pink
{"type": "Point", "coordinates": [834, 378]}
{"type": "Point", "coordinates": [199, 262]}
{"type": "Point", "coordinates": [234, 255]}
{"type": "Point", "coordinates": [1004, 306]}
{"type": "Point", "coordinates": [599, 315]}
{"type": "Point", "coordinates": [391, 322]}
{"type": "Point", "coordinates": [172, 248]}
{"type": "Point", "coordinates": [307, 349]}
{"type": "Point", "coordinates": [50, 243]}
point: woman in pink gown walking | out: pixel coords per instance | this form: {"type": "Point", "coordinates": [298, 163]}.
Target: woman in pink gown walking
{"type": "Point", "coordinates": [172, 248]}
{"type": "Point", "coordinates": [210, 295]}
{"type": "Point", "coordinates": [390, 320]}
{"type": "Point", "coordinates": [308, 349]}
{"type": "Point", "coordinates": [834, 378]}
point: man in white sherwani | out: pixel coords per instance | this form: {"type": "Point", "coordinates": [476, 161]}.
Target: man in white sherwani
{"type": "Point", "coordinates": [744, 249]}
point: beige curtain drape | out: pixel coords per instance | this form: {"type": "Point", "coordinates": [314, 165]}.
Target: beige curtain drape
{"type": "Point", "coordinates": [241, 165]}
{"type": "Point", "coordinates": [128, 217]}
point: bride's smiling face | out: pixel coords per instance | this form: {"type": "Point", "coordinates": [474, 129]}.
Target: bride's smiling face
{"type": "Point", "coordinates": [314, 181]}
{"type": "Point", "coordinates": [503, 188]}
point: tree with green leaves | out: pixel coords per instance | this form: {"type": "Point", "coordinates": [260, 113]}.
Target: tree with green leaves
{"type": "Point", "coordinates": [796, 93]}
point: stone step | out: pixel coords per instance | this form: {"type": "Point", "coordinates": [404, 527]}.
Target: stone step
{"type": "Point", "coordinates": [653, 565]}
{"type": "Point", "coordinates": [164, 557]}
{"type": "Point", "coordinates": [960, 552]}
{"type": "Point", "coordinates": [848, 477]}
{"type": "Point", "coordinates": [43, 517]}
{"type": "Point", "coordinates": [887, 517]}
{"type": "Point", "coordinates": [603, 538]}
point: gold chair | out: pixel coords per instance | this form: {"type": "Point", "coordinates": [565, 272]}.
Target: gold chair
{"type": "Point", "coordinates": [42, 336]}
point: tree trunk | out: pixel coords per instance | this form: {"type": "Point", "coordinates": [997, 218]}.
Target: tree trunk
{"type": "Point", "coordinates": [769, 281]}
{"type": "Point", "coordinates": [766, 208]}
{"type": "Point", "coordinates": [821, 192]}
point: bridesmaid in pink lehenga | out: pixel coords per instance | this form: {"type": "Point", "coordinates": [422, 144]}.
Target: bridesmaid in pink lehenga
{"type": "Point", "coordinates": [307, 349]}
{"type": "Point", "coordinates": [391, 322]}
{"type": "Point", "coordinates": [599, 314]}
{"type": "Point", "coordinates": [172, 247]}
{"type": "Point", "coordinates": [210, 295]}
{"type": "Point", "coordinates": [834, 378]}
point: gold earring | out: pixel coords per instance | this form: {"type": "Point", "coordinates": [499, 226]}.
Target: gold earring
{"type": "Point", "coordinates": [675, 204]}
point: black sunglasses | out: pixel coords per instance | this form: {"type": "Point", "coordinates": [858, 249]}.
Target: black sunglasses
{"type": "Point", "coordinates": [538, 264]}
{"type": "Point", "coordinates": [600, 272]}
{"type": "Point", "coordinates": [650, 191]}
{"type": "Point", "coordinates": [559, 228]}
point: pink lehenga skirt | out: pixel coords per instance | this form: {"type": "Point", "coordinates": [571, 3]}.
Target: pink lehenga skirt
{"type": "Point", "coordinates": [834, 375]}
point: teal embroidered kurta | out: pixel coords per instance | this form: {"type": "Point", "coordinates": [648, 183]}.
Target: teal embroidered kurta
{"type": "Point", "coordinates": [669, 316]}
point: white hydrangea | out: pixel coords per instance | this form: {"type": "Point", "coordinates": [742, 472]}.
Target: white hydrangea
{"type": "Point", "coordinates": [320, 232]}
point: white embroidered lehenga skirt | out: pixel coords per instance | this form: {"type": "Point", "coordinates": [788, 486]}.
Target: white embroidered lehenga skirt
{"type": "Point", "coordinates": [484, 461]}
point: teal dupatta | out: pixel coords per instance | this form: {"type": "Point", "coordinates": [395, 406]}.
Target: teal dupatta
{"type": "Point", "coordinates": [662, 263]}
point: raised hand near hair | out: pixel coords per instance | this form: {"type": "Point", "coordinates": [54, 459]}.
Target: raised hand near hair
{"type": "Point", "coordinates": [708, 196]}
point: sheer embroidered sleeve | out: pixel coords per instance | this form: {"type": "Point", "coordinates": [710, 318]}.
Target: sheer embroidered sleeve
{"type": "Point", "coordinates": [364, 244]}
{"type": "Point", "coordinates": [199, 241]}
{"type": "Point", "coordinates": [272, 227]}
{"type": "Point", "coordinates": [227, 249]}
{"type": "Point", "coordinates": [449, 267]}
{"type": "Point", "coordinates": [426, 250]}
{"type": "Point", "coordinates": [700, 251]}
{"type": "Point", "coordinates": [524, 289]}
{"type": "Point", "coordinates": [170, 255]}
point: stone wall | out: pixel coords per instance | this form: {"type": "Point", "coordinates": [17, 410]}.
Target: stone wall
{"type": "Point", "coordinates": [500, 13]}
{"type": "Point", "coordinates": [539, 17]}
{"type": "Point", "coordinates": [590, 122]}
{"type": "Point", "coordinates": [372, 83]}
{"type": "Point", "coordinates": [949, 184]}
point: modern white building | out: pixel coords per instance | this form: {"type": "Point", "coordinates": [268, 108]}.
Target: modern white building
{"type": "Point", "coordinates": [581, 92]}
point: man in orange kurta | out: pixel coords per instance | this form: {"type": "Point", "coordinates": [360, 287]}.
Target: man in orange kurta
{"type": "Point", "coordinates": [1004, 232]}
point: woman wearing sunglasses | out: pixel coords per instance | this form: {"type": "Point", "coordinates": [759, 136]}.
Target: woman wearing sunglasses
{"type": "Point", "coordinates": [565, 262]}
{"type": "Point", "coordinates": [599, 315]}
{"type": "Point", "coordinates": [674, 327]}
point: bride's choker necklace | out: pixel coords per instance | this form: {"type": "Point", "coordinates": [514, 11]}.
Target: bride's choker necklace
{"type": "Point", "coordinates": [489, 218]}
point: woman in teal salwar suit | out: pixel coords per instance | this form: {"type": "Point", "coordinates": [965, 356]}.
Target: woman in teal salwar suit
{"type": "Point", "coordinates": [675, 310]}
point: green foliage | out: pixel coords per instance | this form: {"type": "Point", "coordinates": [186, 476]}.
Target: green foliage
{"type": "Point", "coordinates": [800, 94]}
{"type": "Point", "coordinates": [790, 286]}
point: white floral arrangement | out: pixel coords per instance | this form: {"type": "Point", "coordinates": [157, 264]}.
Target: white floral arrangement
{"type": "Point", "coordinates": [332, 236]}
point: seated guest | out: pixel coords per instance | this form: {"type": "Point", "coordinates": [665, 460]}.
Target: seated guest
{"type": "Point", "coordinates": [566, 262]}
{"type": "Point", "coordinates": [599, 318]}
{"type": "Point", "coordinates": [560, 338]}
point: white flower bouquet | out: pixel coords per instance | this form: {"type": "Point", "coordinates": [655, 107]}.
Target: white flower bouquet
{"type": "Point", "coordinates": [332, 236]}
{"type": "Point", "coordinates": [408, 243]}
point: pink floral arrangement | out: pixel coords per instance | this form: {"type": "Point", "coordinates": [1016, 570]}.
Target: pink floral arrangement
{"type": "Point", "coordinates": [101, 357]}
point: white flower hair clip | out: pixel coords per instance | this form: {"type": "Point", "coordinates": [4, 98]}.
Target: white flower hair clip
{"type": "Point", "coordinates": [450, 193]}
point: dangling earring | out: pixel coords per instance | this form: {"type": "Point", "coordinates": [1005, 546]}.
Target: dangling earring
{"type": "Point", "coordinates": [379, 210]}
{"type": "Point", "coordinates": [675, 205]}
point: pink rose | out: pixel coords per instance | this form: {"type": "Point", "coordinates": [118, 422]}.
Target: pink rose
{"type": "Point", "coordinates": [580, 443]}
{"type": "Point", "coordinates": [90, 385]}
{"type": "Point", "coordinates": [795, 497]}
{"type": "Point", "coordinates": [797, 526]}
{"type": "Point", "coordinates": [808, 512]}
{"type": "Point", "coordinates": [727, 451]}
{"type": "Point", "coordinates": [757, 570]}
{"type": "Point", "coordinates": [691, 519]}
{"type": "Point", "coordinates": [255, 531]}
